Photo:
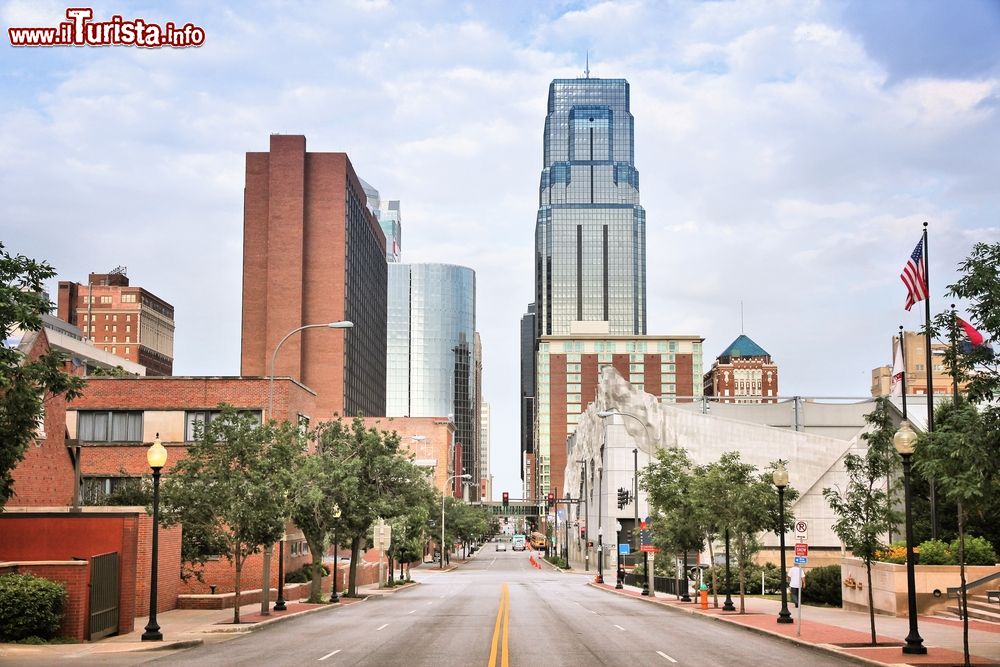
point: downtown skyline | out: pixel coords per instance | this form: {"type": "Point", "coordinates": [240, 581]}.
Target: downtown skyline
{"type": "Point", "coordinates": [789, 155]}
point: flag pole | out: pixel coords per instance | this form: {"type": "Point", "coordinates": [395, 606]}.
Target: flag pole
{"type": "Point", "coordinates": [930, 374]}
{"type": "Point", "coordinates": [954, 354]}
{"type": "Point", "coordinates": [902, 358]}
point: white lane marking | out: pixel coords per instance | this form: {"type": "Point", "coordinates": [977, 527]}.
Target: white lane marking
{"type": "Point", "coordinates": [382, 627]}
{"type": "Point", "coordinates": [666, 656]}
{"type": "Point", "coordinates": [619, 627]}
{"type": "Point", "coordinates": [331, 654]}
{"type": "Point", "coordinates": [410, 612]}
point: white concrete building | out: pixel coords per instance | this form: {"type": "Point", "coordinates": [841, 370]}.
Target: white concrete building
{"type": "Point", "coordinates": [812, 436]}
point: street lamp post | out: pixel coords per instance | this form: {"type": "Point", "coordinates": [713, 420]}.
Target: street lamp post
{"type": "Point", "coordinates": [279, 604]}
{"type": "Point", "coordinates": [447, 481]}
{"type": "Point", "coordinates": [904, 440]}
{"type": "Point", "coordinates": [728, 604]}
{"type": "Point", "coordinates": [336, 558]}
{"type": "Point", "coordinates": [265, 594]}
{"type": "Point", "coordinates": [156, 457]}
{"type": "Point", "coordinates": [586, 519]}
{"type": "Point", "coordinates": [780, 478]}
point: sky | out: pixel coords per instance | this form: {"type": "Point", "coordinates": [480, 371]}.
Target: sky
{"type": "Point", "coordinates": [788, 152]}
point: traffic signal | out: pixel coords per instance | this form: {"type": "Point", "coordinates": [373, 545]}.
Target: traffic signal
{"type": "Point", "coordinates": [623, 497]}
{"type": "Point", "coordinates": [550, 499]}
{"type": "Point", "coordinates": [506, 498]}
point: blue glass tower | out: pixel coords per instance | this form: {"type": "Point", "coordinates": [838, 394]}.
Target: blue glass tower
{"type": "Point", "coordinates": [590, 234]}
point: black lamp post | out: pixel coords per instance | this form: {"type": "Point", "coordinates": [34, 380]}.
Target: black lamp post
{"type": "Point", "coordinates": [279, 604]}
{"type": "Point", "coordinates": [905, 441]}
{"type": "Point", "coordinates": [334, 598]}
{"type": "Point", "coordinates": [780, 478]}
{"type": "Point", "coordinates": [156, 456]}
{"type": "Point", "coordinates": [728, 604]}
{"type": "Point", "coordinates": [685, 597]}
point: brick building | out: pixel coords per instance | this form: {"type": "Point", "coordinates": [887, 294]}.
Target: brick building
{"type": "Point", "coordinates": [915, 355]}
{"type": "Point", "coordinates": [743, 373]}
{"type": "Point", "coordinates": [568, 372]}
{"type": "Point", "coordinates": [313, 253]}
{"type": "Point", "coordinates": [117, 419]}
{"type": "Point", "coordinates": [127, 321]}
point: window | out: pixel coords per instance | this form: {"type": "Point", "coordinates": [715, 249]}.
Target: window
{"type": "Point", "coordinates": [105, 299]}
{"type": "Point", "coordinates": [128, 298]}
{"type": "Point", "coordinates": [109, 426]}
{"type": "Point", "coordinates": [113, 490]}
{"type": "Point", "coordinates": [193, 417]}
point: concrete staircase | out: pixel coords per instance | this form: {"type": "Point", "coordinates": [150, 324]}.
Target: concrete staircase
{"type": "Point", "coordinates": [980, 608]}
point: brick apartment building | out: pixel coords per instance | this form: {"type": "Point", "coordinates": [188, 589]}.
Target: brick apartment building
{"type": "Point", "coordinates": [313, 253]}
{"type": "Point", "coordinates": [914, 352]}
{"type": "Point", "coordinates": [127, 321]}
{"type": "Point", "coordinates": [743, 373]}
{"type": "Point", "coordinates": [568, 372]}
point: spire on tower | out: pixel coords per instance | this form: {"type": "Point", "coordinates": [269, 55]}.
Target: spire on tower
{"type": "Point", "coordinates": [586, 72]}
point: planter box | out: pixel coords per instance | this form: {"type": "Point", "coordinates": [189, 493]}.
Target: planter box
{"type": "Point", "coordinates": [889, 585]}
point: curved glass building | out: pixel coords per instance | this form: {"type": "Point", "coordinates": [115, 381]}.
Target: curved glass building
{"type": "Point", "coordinates": [590, 234]}
{"type": "Point", "coordinates": [430, 369]}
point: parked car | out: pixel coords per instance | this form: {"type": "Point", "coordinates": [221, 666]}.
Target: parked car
{"type": "Point", "coordinates": [502, 545]}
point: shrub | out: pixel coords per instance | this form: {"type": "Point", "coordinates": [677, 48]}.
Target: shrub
{"type": "Point", "coordinates": [303, 575]}
{"type": "Point", "coordinates": [30, 606]}
{"type": "Point", "coordinates": [894, 553]}
{"type": "Point", "coordinates": [823, 586]}
{"type": "Point", "coordinates": [978, 551]}
{"type": "Point", "coordinates": [936, 552]}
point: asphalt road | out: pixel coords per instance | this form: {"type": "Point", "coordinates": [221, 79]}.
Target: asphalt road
{"type": "Point", "coordinates": [499, 607]}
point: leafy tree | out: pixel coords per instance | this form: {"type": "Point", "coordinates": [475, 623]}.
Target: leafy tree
{"type": "Point", "coordinates": [314, 508]}
{"type": "Point", "coordinates": [228, 491]}
{"type": "Point", "coordinates": [387, 482]}
{"type": "Point", "coordinates": [961, 455]}
{"type": "Point", "coordinates": [864, 508]}
{"type": "Point", "coordinates": [25, 384]}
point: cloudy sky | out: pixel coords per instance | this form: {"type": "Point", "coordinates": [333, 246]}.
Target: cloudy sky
{"type": "Point", "coordinates": [788, 152]}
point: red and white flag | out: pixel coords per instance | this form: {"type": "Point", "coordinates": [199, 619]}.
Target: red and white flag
{"type": "Point", "coordinates": [914, 276]}
{"type": "Point", "coordinates": [896, 388]}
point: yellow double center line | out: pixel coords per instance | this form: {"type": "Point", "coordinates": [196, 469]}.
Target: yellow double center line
{"type": "Point", "coordinates": [503, 618]}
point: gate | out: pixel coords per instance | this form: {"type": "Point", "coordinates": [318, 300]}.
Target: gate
{"type": "Point", "coordinates": [103, 595]}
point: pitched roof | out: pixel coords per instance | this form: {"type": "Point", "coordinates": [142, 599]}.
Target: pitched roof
{"type": "Point", "coordinates": [744, 347]}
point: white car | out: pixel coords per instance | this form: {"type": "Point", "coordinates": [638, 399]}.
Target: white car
{"type": "Point", "coordinates": [502, 545]}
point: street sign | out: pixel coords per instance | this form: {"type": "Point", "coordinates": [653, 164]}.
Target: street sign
{"type": "Point", "coordinates": [802, 549]}
{"type": "Point", "coordinates": [801, 539]}
{"type": "Point", "coordinates": [801, 526]}
{"type": "Point", "coordinates": [625, 549]}
{"type": "Point", "coordinates": [801, 560]}
{"type": "Point", "coordinates": [649, 548]}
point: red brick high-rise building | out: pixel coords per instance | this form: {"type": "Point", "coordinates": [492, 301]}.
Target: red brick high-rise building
{"type": "Point", "coordinates": [128, 321]}
{"type": "Point", "coordinates": [313, 253]}
{"type": "Point", "coordinates": [743, 373]}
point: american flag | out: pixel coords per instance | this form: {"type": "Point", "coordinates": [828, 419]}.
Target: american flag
{"type": "Point", "coordinates": [915, 276]}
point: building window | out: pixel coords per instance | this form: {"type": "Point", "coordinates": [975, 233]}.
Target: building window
{"type": "Point", "coordinates": [128, 298]}
{"type": "Point", "coordinates": [193, 417]}
{"type": "Point", "coordinates": [109, 426]}
{"type": "Point", "coordinates": [105, 299]}
{"type": "Point", "coordinates": [114, 491]}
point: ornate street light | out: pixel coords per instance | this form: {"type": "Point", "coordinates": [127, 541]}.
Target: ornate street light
{"type": "Point", "coordinates": [905, 440]}
{"type": "Point", "coordinates": [336, 558]}
{"type": "Point", "coordinates": [156, 457]}
{"type": "Point", "coordinates": [728, 604]}
{"type": "Point", "coordinates": [780, 478]}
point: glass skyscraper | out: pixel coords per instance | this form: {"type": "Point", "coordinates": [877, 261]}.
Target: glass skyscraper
{"type": "Point", "coordinates": [590, 234]}
{"type": "Point", "coordinates": [430, 365]}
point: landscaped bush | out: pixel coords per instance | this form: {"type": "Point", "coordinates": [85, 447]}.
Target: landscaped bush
{"type": "Point", "coordinates": [978, 551]}
{"type": "Point", "coordinates": [303, 575]}
{"type": "Point", "coordinates": [894, 553]}
{"type": "Point", "coordinates": [30, 606]}
{"type": "Point", "coordinates": [936, 552]}
{"type": "Point", "coordinates": [823, 586]}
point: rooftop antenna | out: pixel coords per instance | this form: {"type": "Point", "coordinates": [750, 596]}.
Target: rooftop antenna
{"type": "Point", "coordinates": [586, 72]}
{"type": "Point", "coordinates": [742, 330]}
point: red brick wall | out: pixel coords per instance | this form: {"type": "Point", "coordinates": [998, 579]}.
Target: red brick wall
{"type": "Point", "coordinates": [588, 379]}
{"type": "Point", "coordinates": [45, 476]}
{"type": "Point", "coordinates": [75, 576]}
{"type": "Point", "coordinates": [557, 423]}
{"type": "Point", "coordinates": [652, 373]}
{"type": "Point", "coordinates": [685, 379]}
{"type": "Point", "coordinates": [168, 566]}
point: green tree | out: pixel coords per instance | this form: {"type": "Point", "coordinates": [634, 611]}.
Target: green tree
{"type": "Point", "coordinates": [316, 488]}
{"type": "Point", "coordinates": [387, 482]}
{"type": "Point", "coordinates": [228, 492]}
{"type": "Point", "coordinates": [25, 384]}
{"type": "Point", "coordinates": [864, 508]}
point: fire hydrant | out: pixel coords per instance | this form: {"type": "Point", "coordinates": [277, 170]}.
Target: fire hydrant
{"type": "Point", "coordinates": [703, 596]}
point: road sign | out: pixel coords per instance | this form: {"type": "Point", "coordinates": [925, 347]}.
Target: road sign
{"type": "Point", "coordinates": [801, 560]}
{"type": "Point", "coordinates": [802, 549]}
{"type": "Point", "coordinates": [801, 526]}
{"type": "Point", "coordinates": [649, 548]}
{"type": "Point", "coordinates": [625, 549]}
{"type": "Point", "coordinates": [801, 539]}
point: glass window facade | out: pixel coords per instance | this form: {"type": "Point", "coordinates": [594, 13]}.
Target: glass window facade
{"type": "Point", "coordinates": [590, 234]}
{"type": "Point", "coordinates": [430, 370]}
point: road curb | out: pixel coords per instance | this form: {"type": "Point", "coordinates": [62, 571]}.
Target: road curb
{"type": "Point", "coordinates": [822, 648]}
{"type": "Point", "coordinates": [260, 625]}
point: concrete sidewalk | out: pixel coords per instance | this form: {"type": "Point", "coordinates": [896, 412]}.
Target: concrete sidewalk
{"type": "Point", "coordinates": [184, 628]}
{"type": "Point", "coordinates": [845, 632]}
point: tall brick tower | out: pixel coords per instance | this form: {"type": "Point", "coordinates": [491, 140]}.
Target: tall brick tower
{"type": "Point", "coordinates": [313, 253]}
